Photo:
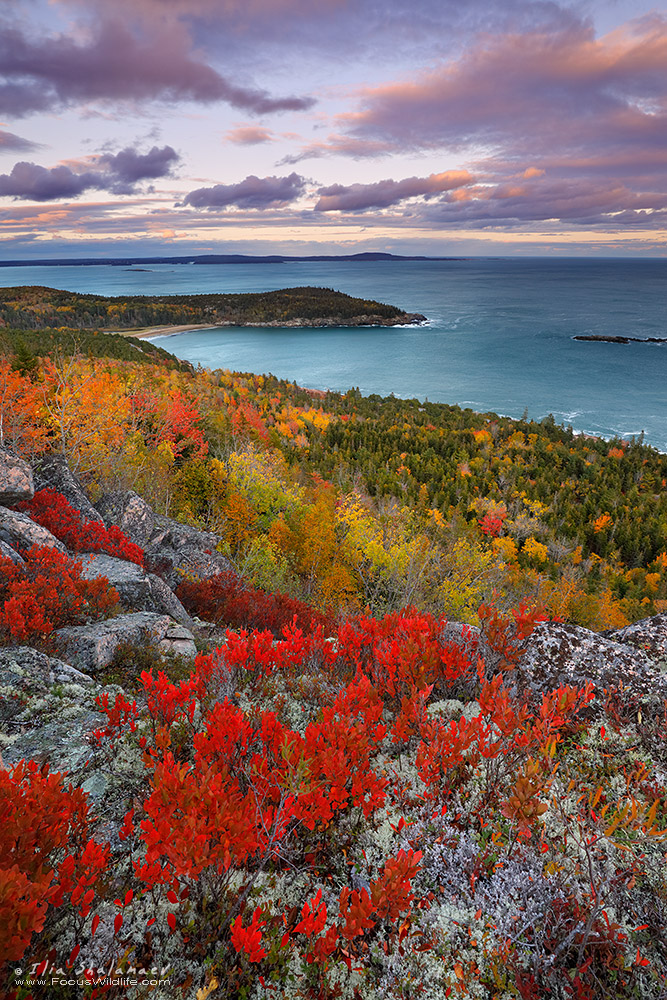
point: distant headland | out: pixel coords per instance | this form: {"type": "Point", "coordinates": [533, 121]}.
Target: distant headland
{"type": "Point", "coordinates": [35, 307]}
{"type": "Point", "coordinates": [230, 258]}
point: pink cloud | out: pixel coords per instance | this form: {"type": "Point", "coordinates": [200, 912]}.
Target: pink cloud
{"type": "Point", "coordinates": [118, 173]}
{"type": "Point", "coordinates": [249, 135]}
{"type": "Point", "coordinates": [531, 94]}
{"type": "Point", "coordinates": [382, 194]}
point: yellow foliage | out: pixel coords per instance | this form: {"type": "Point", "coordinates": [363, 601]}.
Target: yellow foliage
{"type": "Point", "coordinates": [505, 548]}
{"type": "Point", "coordinates": [535, 550]}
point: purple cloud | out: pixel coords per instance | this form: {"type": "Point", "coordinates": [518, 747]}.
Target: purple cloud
{"type": "Point", "coordinates": [252, 192]}
{"type": "Point", "coordinates": [128, 167]}
{"type": "Point", "coordinates": [117, 173]}
{"type": "Point", "coordinates": [9, 141]}
{"type": "Point", "coordinates": [382, 194]}
{"type": "Point", "coordinates": [112, 63]}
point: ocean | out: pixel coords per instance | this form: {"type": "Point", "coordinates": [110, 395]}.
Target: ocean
{"type": "Point", "coordinates": [498, 337]}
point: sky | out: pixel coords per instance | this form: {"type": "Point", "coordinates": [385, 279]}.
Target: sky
{"type": "Point", "coordinates": [437, 127]}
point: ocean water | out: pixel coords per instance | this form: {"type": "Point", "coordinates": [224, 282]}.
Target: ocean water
{"type": "Point", "coordinates": [498, 337]}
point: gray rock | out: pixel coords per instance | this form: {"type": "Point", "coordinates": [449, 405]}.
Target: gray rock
{"type": "Point", "coordinates": [54, 473]}
{"type": "Point", "coordinates": [138, 590]}
{"type": "Point", "coordinates": [558, 654]}
{"type": "Point", "coordinates": [26, 673]}
{"type": "Point", "coordinates": [173, 551]}
{"type": "Point", "coordinates": [179, 641]}
{"type": "Point", "coordinates": [18, 531]}
{"type": "Point", "coordinates": [7, 552]}
{"type": "Point", "coordinates": [92, 647]}
{"type": "Point", "coordinates": [165, 600]}
{"type": "Point", "coordinates": [129, 512]}
{"type": "Point", "coordinates": [16, 483]}
{"type": "Point", "coordinates": [648, 635]}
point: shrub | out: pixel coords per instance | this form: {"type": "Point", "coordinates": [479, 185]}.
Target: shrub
{"type": "Point", "coordinates": [46, 853]}
{"type": "Point", "coordinates": [46, 592]}
{"type": "Point", "coordinates": [54, 512]}
{"type": "Point", "coordinates": [229, 600]}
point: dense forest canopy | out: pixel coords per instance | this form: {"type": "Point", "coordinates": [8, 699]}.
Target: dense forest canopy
{"type": "Point", "coordinates": [35, 307]}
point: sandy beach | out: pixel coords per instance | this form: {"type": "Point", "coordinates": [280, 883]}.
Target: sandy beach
{"type": "Point", "coordinates": [148, 332]}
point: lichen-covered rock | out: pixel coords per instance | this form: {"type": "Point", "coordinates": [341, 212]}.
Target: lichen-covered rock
{"type": "Point", "coordinates": [16, 482]}
{"type": "Point", "coordinates": [558, 654]}
{"type": "Point", "coordinates": [165, 600]}
{"type": "Point", "coordinates": [177, 551]}
{"type": "Point", "coordinates": [648, 635]}
{"type": "Point", "coordinates": [138, 590]}
{"type": "Point", "coordinates": [46, 709]}
{"type": "Point", "coordinates": [129, 512]}
{"type": "Point", "coordinates": [91, 648]}
{"type": "Point", "coordinates": [18, 531]}
{"type": "Point", "coordinates": [54, 473]}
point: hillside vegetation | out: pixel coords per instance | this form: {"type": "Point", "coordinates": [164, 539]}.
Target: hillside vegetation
{"type": "Point", "coordinates": [34, 307]}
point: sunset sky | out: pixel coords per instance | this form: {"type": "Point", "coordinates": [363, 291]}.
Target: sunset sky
{"type": "Point", "coordinates": [489, 127]}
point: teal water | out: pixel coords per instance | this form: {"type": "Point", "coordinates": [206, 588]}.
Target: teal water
{"type": "Point", "coordinates": [499, 335]}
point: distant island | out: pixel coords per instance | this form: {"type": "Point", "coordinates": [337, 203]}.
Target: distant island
{"type": "Point", "coordinates": [621, 340]}
{"type": "Point", "coordinates": [35, 307]}
{"type": "Point", "coordinates": [230, 258]}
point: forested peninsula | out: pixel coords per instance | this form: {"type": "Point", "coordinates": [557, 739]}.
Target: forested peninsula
{"type": "Point", "coordinates": [36, 307]}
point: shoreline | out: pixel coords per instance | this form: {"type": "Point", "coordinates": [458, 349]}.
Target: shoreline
{"type": "Point", "coordinates": [149, 332]}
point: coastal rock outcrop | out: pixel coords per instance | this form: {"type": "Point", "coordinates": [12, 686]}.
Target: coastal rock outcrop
{"type": "Point", "coordinates": [137, 589]}
{"type": "Point", "coordinates": [173, 550]}
{"type": "Point", "coordinates": [558, 654]}
{"type": "Point", "coordinates": [18, 531]}
{"type": "Point", "coordinates": [16, 480]}
{"type": "Point", "coordinates": [91, 648]}
{"type": "Point", "coordinates": [53, 472]}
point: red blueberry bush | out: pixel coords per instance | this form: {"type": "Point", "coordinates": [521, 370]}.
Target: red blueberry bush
{"type": "Point", "coordinates": [54, 512]}
{"type": "Point", "coordinates": [47, 854]}
{"type": "Point", "coordinates": [45, 592]}
{"type": "Point", "coordinates": [230, 600]}
{"type": "Point", "coordinates": [315, 816]}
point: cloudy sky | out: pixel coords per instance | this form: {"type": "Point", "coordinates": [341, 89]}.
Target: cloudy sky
{"type": "Point", "coordinates": [309, 126]}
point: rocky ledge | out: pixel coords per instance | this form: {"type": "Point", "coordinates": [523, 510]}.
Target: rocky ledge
{"type": "Point", "coordinates": [403, 319]}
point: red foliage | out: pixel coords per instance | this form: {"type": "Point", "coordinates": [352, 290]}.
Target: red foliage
{"type": "Point", "coordinates": [45, 852]}
{"type": "Point", "coordinates": [52, 510]}
{"type": "Point", "coordinates": [47, 592]}
{"type": "Point", "coordinates": [230, 600]}
{"type": "Point", "coordinates": [492, 524]}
